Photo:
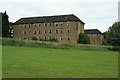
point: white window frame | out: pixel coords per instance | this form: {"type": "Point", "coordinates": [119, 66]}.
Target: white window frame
{"type": "Point", "coordinates": [68, 30]}
{"type": "Point", "coordinates": [61, 23]}
{"type": "Point", "coordinates": [61, 30]}
{"type": "Point", "coordinates": [56, 31]}
{"type": "Point", "coordinates": [68, 23]}
{"type": "Point", "coordinates": [68, 37]}
{"type": "Point", "coordinates": [61, 37]}
{"type": "Point", "coordinates": [39, 24]}
{"type": "Point", "coordinates": [56, 23]}
{"type": "Point", "coordinates": [24, 25]}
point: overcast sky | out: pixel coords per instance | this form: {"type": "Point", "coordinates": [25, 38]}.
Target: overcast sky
{"type": "Point", "coordinates": [97, 14]}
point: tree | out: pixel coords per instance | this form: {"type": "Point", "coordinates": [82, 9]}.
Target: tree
{"type": "Point", "coordinates": [113, 35]}
{"type": "Point", "coordinates": [34, 38]}
{"type": "Point", "coordinates": [5, 25]}
{"type": "Point", "coordinates": [83, 39]}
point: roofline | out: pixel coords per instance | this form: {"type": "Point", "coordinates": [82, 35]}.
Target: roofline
{"type": "Point", "coordinates": [50, 16]}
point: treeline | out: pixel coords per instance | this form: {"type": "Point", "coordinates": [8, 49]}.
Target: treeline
{"type": "Point", "coordinates": [112, 36]}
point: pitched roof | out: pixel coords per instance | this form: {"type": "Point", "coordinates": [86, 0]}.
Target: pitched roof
{"type": "Point", "coordinates": [42, 19]}
{"type": "Point", "coordinates": [92, 31]}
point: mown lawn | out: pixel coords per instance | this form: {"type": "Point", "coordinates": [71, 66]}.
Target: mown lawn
{"type": "Point", "coordinates": [29, 62]}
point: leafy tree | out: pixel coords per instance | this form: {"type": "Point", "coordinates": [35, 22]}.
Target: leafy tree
{"type": "Point", "coordinates": [83, 39]}
{"type": "Point", "coordinates": [113, 35]}
{"type": "Point", "coordinates": [5, 25]}
{"type": "Point", "coordinates": [34, 38]}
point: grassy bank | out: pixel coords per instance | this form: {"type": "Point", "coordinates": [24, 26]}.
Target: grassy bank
{"type": "Point", "coordinates": [40, 62]}
{"type": "Point", "coordinates": [30, 43]}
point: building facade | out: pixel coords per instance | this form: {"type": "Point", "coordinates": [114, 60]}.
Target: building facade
{"type": "Point", "coordinates": [95, 36]}
{"type": "Point", "coordinates": [64, 28]}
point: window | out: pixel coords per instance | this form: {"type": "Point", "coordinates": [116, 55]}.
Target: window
{"type": "Point", "coordinates": [39, 31]}
{"type": "Point", "coordinates": [28, 32]}
{"type": "Point", "coordinates": [19, 37]}
{"type": "Point", "coordinates": [56, 38]}
{"type": "Point", "coordinates": [50, 38]}
{"type": "Point", "coordinates": [68, 30]}
{"type": "Point", "coordinates": [56, 31]}
{"type": "Point", "coordinates": [50, 31]}
{"type": "Point", "coordinates": [24, 32]}
{"type": "Point", "coordinates": [24, 25]}
{"type": "Point", "coordinates": [39, 37]}
{"type": "Point", "coordinates": [45, 24]}
{"type": "Point", "coordinates": [34, 25]}
{"type": "Point", "coordinates": [61, 37]}
{"type": "Point", "coordinates": [56, 24]}
{"type": "Point", "coordinates": [45, 31]}
{"type": "Point", "coordinates": [24, 38]}
{"type": "Point", "coordinates": [68, 37]}
{"type": "Point", "coordinates": [29, 25]}
{"type": "Point", "coordinates": [50, 24]}
{"type": "Point", "coordinates": [68, 23]}
{"type": "Point", "coordinates": [39, 25]}
{"type": "Point", "coordinates": [28, 38]}
{"type": "Point", "coordinates": [61, 23]}
{"type": "Point", "coordinates": [45, 38]}
{"type": "Point", "coordinates": [61, 31]}
{"type": "Point", "coordinates": [34, 32]}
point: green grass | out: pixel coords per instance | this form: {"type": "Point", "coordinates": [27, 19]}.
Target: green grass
{"type": "Point", "coordinates": [29, 62]}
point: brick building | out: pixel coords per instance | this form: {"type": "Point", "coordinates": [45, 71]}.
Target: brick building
{"type": "Point", "coordinates": [95, 36]}
{"type": "Point", "coordinates": [64, 28]}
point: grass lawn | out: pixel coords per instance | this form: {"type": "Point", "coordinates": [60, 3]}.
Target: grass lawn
{"type": "Point", "coordinates": [31, 62]}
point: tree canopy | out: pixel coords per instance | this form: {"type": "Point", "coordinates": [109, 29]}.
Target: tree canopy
{"type": "Point", "coordinates": [83, 39]}
{"type": "Point", "coordinates": [5, 25]}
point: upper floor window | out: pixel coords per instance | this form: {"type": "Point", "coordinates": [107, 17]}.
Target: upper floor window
{"type": "Point", "coordinates": [68, 30]}
{"type": "Point", "coordinates": [50, 24]}
{"type": "Point", "coordinates": [50, 31]}
{"type": "Point", "coordinates": [56, 31]}
{"type": "Point", "coordinates": [34, 32]}
{"type": "Point", "coordinates": [68, 23]}
{"type": "Point", "coordinates": [45, 31]}
{"type": "Point", "coordinates": [68, 37]}
{"type": "Point", "coordinates": [28, 32]}
{"type": "Point", "coordinates": [24, 32]}
{"type": "Point", "coordinates": [61, 23]}
{"type": "Point", "coordinates": [45, 24]}
{"type": "Point", "coordinates": [56, 24]}
{"type": "Point", "coordinates": [24, 25]}
{"type": "Point", "coordinates": [39, 25]}
{"type": "Point", "coordinates": [61, 30]}
{"type": "Point", "coordinates": [29, 25]}
{"type": "Point", "coordinates": [34, 25]}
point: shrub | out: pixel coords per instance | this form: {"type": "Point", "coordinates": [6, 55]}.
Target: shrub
{"type": "Point", "coordinates": [34, 38]}
{"type": "Point", "coordinates": [83, 39]}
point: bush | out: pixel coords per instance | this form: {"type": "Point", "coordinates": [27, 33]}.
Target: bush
{"type": "Point", "coordinates": [31, 43]}
{"type": "Point", "coordinates": [83, 39]}
{"type": "Point", "coordinates": [34, 38]}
